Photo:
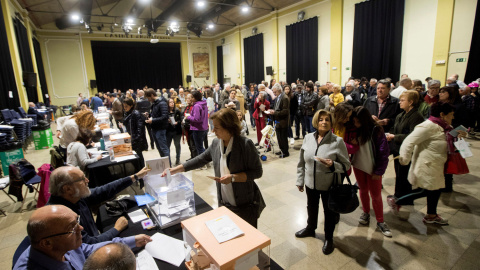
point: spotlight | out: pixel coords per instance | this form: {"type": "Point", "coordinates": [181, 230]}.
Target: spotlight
{"type": "Point", "coordinates": [129, 20]}
{"type": "Point", "coordinates": [100, 27]}
{"type": "Point", "coordinates": [139, 31]}
{"type": "Point", "coordinates": [75, 17]}
{"type": "Point", "coordinates": [174, 27]}
{"type": "Point", "coordinates": [244, 9]}
{"type": "Point", "coordinates": [201, 3]}
{"type": "Point", "coordinates": [81, 20]}
{"type": "Point", "coordinates": [211, 26]}
{"type": "Point", "coordinates": [112, 28]}
{"type": "Point", "coordinates": [144, 2]}
{"type": "Point", "coordinates": [90, 31]}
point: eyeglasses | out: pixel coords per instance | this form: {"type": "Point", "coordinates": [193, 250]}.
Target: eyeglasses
{"type": "Point", "coordinates": [64, 233]}
{"type": "Point", "coordinates": [83, 178]}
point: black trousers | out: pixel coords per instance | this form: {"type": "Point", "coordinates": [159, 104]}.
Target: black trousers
{"type": "Point", "coordinates": [402, 186]}
{"type": "Point", "coordinates": [313, 200]}
{"type": "Point", "coordinates": [300, 120]}
{"type": "Point", "coordinates": [150, 134]}
{"type": "Point", "coordinates": [282, 136]}
{"type": "Point", "coordinates": [432, 198]}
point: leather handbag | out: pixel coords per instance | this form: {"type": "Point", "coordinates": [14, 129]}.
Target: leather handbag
{"type": "Point", "coordinates": [343, 197]}
{"type": "Point", "coordinates": [456, 164]}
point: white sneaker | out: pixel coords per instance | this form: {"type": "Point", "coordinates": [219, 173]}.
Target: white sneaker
{"type": "Point", "coordinates": [292, 141]}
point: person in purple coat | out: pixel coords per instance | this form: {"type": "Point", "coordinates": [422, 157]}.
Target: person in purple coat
{"type": "Point", "coordinates": [198, 120]}
{"type": "Point", "coordinates": [369, 163]}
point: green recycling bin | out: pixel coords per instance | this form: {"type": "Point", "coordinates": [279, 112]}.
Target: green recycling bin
{"type": "Point", "coordinates": [9, 157]}
{"type": "Point", "coordinates": [43, 139]}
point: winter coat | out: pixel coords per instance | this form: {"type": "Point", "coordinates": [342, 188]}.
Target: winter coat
{"type": "Point", "coordinates": [135, 124]}
{"type": "Point", "coordinates": [44, 171]}
{"type": "Point", "coordinates": [177, 115]}
{"type": "Point", "coordinates": [404, 125]}
{"type": "Point", "coordinates": [390, 111]}
{"type": "Point", "coordinates": [256, 106]}
{"type": "Point", "coordinates": [159, 114]}
{"type": "Point", "coordinates": [283, 112]}
{"type": "Point", "coordinates": [426, 147]}
{"type": "Point", "coordinates": [309, 103]}
{"type": "Point", "coordinates": [199, 116]}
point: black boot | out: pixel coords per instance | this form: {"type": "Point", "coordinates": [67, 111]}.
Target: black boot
{"type": "Point", "coordinates": [305, 233]}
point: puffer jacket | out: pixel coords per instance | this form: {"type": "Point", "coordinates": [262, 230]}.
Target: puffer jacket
{"type": "Point", "coordinates": [426, 147]}
{"type": "Point", "coordinates": [135, 124]}
{"type": "Point", "coordinates": [314, 174]}
{"type": "Point", "coordinates": [159, 114]}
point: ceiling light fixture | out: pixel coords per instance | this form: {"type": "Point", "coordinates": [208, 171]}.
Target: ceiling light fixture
{"type": "Point", "coordinates": [144, 2]}
{"type": "Point", "coordinates": [139, 30]}
{"type": "Point", "coordinates": [211, 26]}
{"type": "Point", "coordinates": [129, 20]}
{"type": "Point", "coordinates": [201, 3]}
{"type": "Point", "coordinates": [76, 17]}
{"type": "Point", "coordinates": [244, 9]}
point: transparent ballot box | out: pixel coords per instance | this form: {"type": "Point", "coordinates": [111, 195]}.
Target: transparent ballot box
{"type": "Point", "coordinates": [174, 198]}
{"type": "Point", "coordinates": [247, 249]}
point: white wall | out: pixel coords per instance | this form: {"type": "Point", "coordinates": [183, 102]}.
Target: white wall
{"type": "Point", "coordinates": [229, 56]}
{"type": "Point", "coordinates": [418, 38]}
{"type": "Point", "coordinates": [200, 47]}
{"type": "Point", "coordinates": [462, 29]}
{"type": "Point", "coordinates": [322, 10]}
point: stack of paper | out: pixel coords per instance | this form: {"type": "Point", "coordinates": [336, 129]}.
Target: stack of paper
{"type": "Point", "coordinates": [223, 228]}
{"type": "Point", "coordinates": [167, 249]}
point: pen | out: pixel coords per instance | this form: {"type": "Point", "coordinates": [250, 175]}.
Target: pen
{"type": "Point", "coordinates": [146, 213]}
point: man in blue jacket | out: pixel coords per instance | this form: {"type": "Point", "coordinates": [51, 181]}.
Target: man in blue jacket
{"type": "Point", "coordinates": [69, 187]}
{"type": "Point", "coordinates": [159, 121]}
{"type": "Point", "coordinates": [96, 102]}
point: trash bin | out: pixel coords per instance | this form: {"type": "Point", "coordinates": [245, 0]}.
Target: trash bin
{"type": "Point", "coordinates": [43, 139]}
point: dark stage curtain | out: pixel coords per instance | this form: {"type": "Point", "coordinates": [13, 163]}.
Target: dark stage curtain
{"type": "Point", "coordinates": [302, 50]}
{"type": "Point", "coordinates": [41, 71]}
{"type": "Point", "coordinates": [7, 76]}
{"type": "Point", "coordinates": [473, 68]}
{"type": "Point", "coordinates": [377, 39]}
{"type": "Point", "coordinates": [220, 65]}
{"type": "Point", "coordinates": [253, 59]}
{"type": "Point", "coordinates": [25, 56]}
{"type": "Point", "coordinates": [125, 65]}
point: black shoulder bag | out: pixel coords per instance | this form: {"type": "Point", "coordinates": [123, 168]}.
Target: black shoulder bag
{"type": "Point", "coordinates": [342, 197]}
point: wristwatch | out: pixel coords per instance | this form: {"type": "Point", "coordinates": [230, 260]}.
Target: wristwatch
{"type": "Point", "coordinates": [233, 178]}
{"type": "Point", "coordinates": [136, 177]}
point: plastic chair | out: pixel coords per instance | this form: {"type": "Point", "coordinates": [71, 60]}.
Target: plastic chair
{"type": "Point", "coordinates": [20, 249]}
{"type": "Point", "coordinates": [7, 115]}
{"type": "Point", "coordinates": [22, 112]}
{"type": "Point", "coordinates": [32, 184]}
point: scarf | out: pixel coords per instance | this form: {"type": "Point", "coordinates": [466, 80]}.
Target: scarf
{"type": "Point", "coordinates": [226, 190]}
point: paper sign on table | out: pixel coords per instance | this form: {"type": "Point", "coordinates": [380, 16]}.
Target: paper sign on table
{"type": "Point", "coordinates": [223, 228]}
{"type": "Point", "coordinates": [137, 216]}
{"type": "Point", "coordinates": [166, 248]}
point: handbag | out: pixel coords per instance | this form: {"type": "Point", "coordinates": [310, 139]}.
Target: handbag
{"type": "Point", "coordinates": [342, 197]}
{"type": "Point", "coordinates": [456, 164]}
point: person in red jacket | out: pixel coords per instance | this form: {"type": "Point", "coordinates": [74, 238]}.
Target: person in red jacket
{"type": "Point", "coordinates": [261, 105]}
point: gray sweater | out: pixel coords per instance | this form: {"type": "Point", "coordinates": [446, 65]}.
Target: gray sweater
{"type": "Point", "coordinates": [242, 158]}
{"type": "Point", "coordinates": [78, 156]}
{"type": "Point", "coordinates": [314, 174]}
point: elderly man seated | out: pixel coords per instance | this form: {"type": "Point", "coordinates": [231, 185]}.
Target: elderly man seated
{"type": "Point", "coordinates": [32, 109]}
{"type": "Point", "coordinates": [69, 187]}
{"type": "Point", "coordinates": [56, 240]}
{"type": "Point", "coordinates": [112, 256]}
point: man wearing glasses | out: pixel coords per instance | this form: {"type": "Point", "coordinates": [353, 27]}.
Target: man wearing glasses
{"type": "Point", "coordinates": [56, 240]}
{"type": "Point", "coordinates": [69, 187]}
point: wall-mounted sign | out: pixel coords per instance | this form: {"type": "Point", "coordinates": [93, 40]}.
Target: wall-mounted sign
{"type": "Point", "coordinates": [134, 36]}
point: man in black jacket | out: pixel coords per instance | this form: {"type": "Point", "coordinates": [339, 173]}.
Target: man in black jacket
{"type": "Point", "coordinates": [372, 89]}
{"type": "Point", "coordinates": [159, 121]}
{"type": "Point", "coordinates": [383, 107]}
{"type": "Point", "coordinates": [299, 118]}
{"type": "Point", "coordinates": [144, 106]}
{"type": "Point", "coordinates": [352, 96]}
{"type": "Point", "coordinates": [309, 106]}
{"type": "Point", "coordinates": [69, 187]}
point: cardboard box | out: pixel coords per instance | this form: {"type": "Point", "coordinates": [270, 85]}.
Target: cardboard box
{"type": "Point", "coordinates": [121, 144]}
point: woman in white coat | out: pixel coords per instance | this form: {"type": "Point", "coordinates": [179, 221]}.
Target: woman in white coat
{"type": "Point", "coordinates": [428, 144]}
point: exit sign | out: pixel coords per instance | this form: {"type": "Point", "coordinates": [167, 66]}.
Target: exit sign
{"type": "Point", "coordinates": [461, 60]}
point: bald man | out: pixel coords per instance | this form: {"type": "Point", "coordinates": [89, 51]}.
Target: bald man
{"type": "Point", "coordinates": [32, 109]}
{"type": "Point", "coordinates": [116, 256]}
{"type": "Point", "coordinates": [56, 241]}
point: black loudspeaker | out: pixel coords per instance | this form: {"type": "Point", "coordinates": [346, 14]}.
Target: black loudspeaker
{"type": "Point", "coordinates": [30, 79]}
{"type": "Point", "coordinates": [93, 84]}
{"type": "Point", "coordinates": [269, 70]}
{"type": "Point", "coordinates": [189, 78]}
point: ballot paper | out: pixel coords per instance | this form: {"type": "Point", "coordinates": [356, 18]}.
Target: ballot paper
{"type": "Point", "coordinates": [223, 228]}
{"type": "Point", "coordinates": [172, 120]}
{"type": "Point", "coordinates": [262, 107]}
{"type": "Point", "coordinates": [164, 209]}
{"type": "Point", "coordinates": [120, 159]}
{"type": "Point", "coordinates": [145, 261]}
{"type": "Point", "coordinates": [267, 112]}
{"type": "Point", "coordinates": [157, 165]}
{"type": "Point", "coordinates": [167, 249]}
{"type": "Point", "coordinates": [137, 216]}
{"type": "Point", "coordinates": [175, 197]}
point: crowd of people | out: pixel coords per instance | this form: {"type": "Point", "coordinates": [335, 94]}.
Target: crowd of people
{"type": "Point", "coordinates": [344, 129]}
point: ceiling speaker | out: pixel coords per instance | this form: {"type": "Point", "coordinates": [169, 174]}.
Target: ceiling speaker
{"type": "Point", "coordinates": [254, 30]}
{"type": "Point", "coordinates": [301, 15]}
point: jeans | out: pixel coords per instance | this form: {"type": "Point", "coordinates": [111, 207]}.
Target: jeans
{"type": "Point", "coordinates": [150, 134]}
{"type": "Point", "coordinates": [308, 124]}
{"type": "Point", "coordinates": [290, 123]}
{"type": "Point", "coordinates": [161, 139]}
{"type": "Point", "coordinates": [198, 137]}
{"type": "Point", "coordinates": [252, 120]}
{"type": "Point", "coordinates": [313, 200]}
{"type": "Point", "coordinates": [172, 135]}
